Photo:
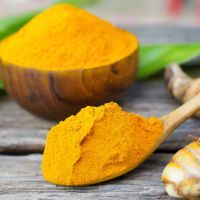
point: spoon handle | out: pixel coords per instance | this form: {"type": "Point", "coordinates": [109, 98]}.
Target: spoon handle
{"type": "Point", "coordinates": [181, 114]}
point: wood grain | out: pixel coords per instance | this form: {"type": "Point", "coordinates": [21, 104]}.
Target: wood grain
{"type": "Point", "coordinates": [22, 132]}
{"type": "Point", "coordinates": [24, 181]}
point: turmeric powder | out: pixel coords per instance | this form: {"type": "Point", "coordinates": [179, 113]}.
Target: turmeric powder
{"type": "Point", "coordinates": [97, 144]}
{"type": "Point", "coordinates": [64, 37]}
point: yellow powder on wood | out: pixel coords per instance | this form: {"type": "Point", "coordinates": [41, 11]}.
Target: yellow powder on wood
{"type": "Point", "coordinates": [65, 37]}
{"type": "Point", "coordinates": [97, 144]}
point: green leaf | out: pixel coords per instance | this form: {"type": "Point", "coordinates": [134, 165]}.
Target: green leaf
{"type": "Point", "coordinates": [1, 86]}
{"type": "Point", "coordinates": [154, 58]}
{"type": "Point", "coordinates": [11, 24]}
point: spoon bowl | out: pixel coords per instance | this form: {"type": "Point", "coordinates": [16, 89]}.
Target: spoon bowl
{"type": "Point", "coordinates": [170, 122]}
{"type": "Point", "coordinates": [59, 94]}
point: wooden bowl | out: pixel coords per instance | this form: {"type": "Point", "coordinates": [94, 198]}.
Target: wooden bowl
{"type": "Point", "coordinates": [58, 94]}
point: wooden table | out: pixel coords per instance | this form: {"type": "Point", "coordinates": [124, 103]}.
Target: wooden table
{"type": "Point", "coordinates": [22, 139]}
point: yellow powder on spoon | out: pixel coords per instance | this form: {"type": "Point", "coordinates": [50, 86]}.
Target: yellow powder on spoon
{"type": "Point", "coordinates": [97, 144]}
{"type": "Point", "coordinates": [64, 37]}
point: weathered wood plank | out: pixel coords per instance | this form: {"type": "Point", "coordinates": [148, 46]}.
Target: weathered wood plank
{"type": "Point", "coordinates": [23, 180]}
{"type": "Point", "coordinates": [22, 132]}
{"type": "Point", "coordinates": [19, 141]}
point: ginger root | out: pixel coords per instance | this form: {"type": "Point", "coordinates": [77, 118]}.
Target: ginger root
{"type": "Point", "coordinates": [181, 176]}
{"type": "Point", "coordinates": [180, 85]}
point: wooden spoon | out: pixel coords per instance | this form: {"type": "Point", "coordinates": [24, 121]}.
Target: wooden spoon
{"type": "Point", "coordinates": [170, 121]}
{"type": "Point", "coordinates": [58, 94]}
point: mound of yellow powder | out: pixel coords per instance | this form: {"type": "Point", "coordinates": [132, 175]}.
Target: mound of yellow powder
{"type": "Point", "coordinates": [66, 37]}
{"type": "Point", "coordinates": [97, 144]}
